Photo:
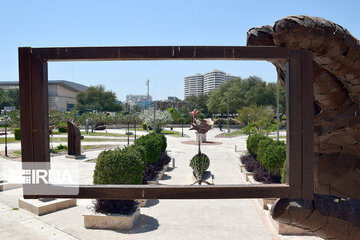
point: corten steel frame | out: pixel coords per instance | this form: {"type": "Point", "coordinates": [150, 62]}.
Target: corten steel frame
{"type": "Point", "coordinates": [33, 74]}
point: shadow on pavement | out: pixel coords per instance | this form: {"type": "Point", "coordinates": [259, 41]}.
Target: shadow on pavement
{"type": "Point", "coordinates": [143, 224]}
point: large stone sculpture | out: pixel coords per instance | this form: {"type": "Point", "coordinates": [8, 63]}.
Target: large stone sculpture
{"type": "Point", "coordinates": [335, 210]}
{"type": "Point", "coordinates": [74, 141]}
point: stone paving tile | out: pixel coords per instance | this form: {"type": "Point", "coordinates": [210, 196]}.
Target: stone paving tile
{"type": "Point", "coordinates": [163, 219]}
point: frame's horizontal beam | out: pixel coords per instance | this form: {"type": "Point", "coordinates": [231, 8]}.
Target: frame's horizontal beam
{"type": "Point", "coordinates": [161, 53]}
{"type": "Point", "coordinates": [169, 191]}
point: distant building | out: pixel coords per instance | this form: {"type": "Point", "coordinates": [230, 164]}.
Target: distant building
{"type": "Point", "coordinates": [61, 93]}
{"type": "Point", "coordinates": [136, 99]}
{"type": "Point", "coordinates": [213, 79]}
{"type": "Point", "coordinates": [194, 85]}
{"type": "Point", "coordinates": [203, 84]}
{"type": "Point", "coordinates": [173, 98]}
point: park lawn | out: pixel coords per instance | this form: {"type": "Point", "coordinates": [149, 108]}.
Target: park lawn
{"type": "Point", "coordinates": [236, 133]}
{"type": "Point", "coordinates": [54, 139]}
{"type": "Point", "coordinates": [97, 134]}
{"type": "Point", "coordinates": [280, 137]}
{"type": "Point", "coordinates": [9, 140]}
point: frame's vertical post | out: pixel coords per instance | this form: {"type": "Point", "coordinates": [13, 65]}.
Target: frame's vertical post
{"type": "Point", "coordinates": [34, 116]}
{"type": "Point", "coordinates": [294, 119]}
{"type": "Point", "coordinates": [307, 101]}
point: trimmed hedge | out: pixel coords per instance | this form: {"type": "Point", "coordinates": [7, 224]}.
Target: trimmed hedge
{"type": "Point", "coordinates": [144, 126]}
{"type": "Point", "coordinates": [62, 127]}
{"type": "Point", "coordinates": [252, 142]}
{"type": "Point", "coordinates": [274, 156]}
{"type": "Point", "coordinates": [119, 167]}
{"type": "Point", "coordinates": [17, 134]}
{"type": "Point", "coordinates": [262, 146]}
{"type": "Point", "coordinates": [152, 145]}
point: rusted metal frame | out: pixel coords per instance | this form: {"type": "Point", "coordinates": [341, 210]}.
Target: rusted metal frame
{"type": "Point", "coordinates": [35, 61]}
{"type": "Point", "coordinates": [307, 98]}
{"type": "Point", "coordinates": [162, 53]}
{"type": "Point", "coordinates": [173, 191]}
{"type": "Point", "coordinates": [294, 117]}
{"type": "Point", "coordinates": [33, 86]}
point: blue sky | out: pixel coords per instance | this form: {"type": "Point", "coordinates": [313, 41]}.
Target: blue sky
{"type": "Point", "coordinates": [130, 23]}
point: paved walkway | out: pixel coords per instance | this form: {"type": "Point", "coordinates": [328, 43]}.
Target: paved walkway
{"type": "Point", "coordinates": [163, 219]}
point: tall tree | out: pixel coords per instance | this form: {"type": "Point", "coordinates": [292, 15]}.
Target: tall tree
{"type": "Point", "coordinates": [198, 102]}
{"type": "Point", "coordinates": [96, 98]}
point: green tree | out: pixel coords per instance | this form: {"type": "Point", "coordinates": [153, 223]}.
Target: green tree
{"type": "Point", "coordinates": [244, 92]}
{"type": "Point", "coordinates": [9, 98]}
{"type": "Point", "coordinates": [198, 102]}
{"type": "Point", "coordinates": [96, 98]}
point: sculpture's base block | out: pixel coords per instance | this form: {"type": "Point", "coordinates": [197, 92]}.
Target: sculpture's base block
{"type": "Point", "coordinates": [111, 221]}
{"type": "Point", "coordinates": [44, 206]}
{"type": "Point", "coordinates": [75, 156]}
{"type": "Point", "coordinates": [4, 185]}
{"type": "Point", "coordinates": [200, 137]}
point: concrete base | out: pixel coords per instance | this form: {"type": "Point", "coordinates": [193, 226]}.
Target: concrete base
{"type": "Point", "coordinates": [207, 177]}
{"type": "Point", "coordinates": [111, 221]}
{"type": "Point", "coordinates": [142, 202]}
{"type": "Point", "coordinates": [4, 185]}
{"type": "Point", "coordinates": [75, 156]}
{"type": "Point", "coordinates": [200, 137]}
{"type": "Point", "coordinates": [40, 207]}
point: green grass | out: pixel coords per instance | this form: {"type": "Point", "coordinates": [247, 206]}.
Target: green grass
{"type": "Point", "coordinates": [280, 137]}
{"type": "Point", "coordinates": [17, 152]}
{"type": "Point", "coordinates": [9, 140]}
{"type": "Point", "coordinates": [236, 133]}
{"type": "Point", "coordinates": [96, 134]}
{"type": "Point", "coordinates": [55, 139]}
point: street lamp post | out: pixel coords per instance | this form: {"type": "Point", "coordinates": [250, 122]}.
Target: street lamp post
{"type": "Point", "coordinates": [6, 123]}
{"type": "Point", "coordinates": [128, 129]}
{"type": "Point", "coordinates": [182, 125]}
{"type": "Point", "coordinates": [277, 108]}
{"type": "Point", "coordinates": [228, 120]}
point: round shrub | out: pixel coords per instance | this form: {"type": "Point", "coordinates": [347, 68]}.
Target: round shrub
{"type": "Point", "coordinates": [144, 126]}
{"type": "Point", "coordinates": [253, 141]}
{"type": "Point", "coordinates": [62, 127]}
{"type": "Point", "coordinates": [274, 157]}
{"type": "Point", "coordinates": [118, 167]}
{"type": "Point", "coordinates": [262, 146]}
{"type": "Point", "coordinates": [153, 148]}
{"type": "Point", "coordinates": [17, 134]}
{"type": "Point", "coordinates": [199, 163]}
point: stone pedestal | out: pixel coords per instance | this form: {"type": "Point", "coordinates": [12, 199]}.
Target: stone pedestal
{"type": "Point", "coordinates": [44, 206]}
{"type": "Point", "coordinates": [200, 137]}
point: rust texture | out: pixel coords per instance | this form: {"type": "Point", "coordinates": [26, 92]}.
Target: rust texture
{"type": "Point", "coordinates": [74, 139]}
{"type": "Point", "coordinates": [336, 71]}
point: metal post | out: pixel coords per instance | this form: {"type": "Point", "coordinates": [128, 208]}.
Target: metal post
{"type": "Point", "coordinates": [87, 126]}
{"type": "Point", "coordinates": [154, 124]}
{"type": "Point", "coordinates": [6, 123]}
{"type": "Point", "coordinates": [228, 120]}
{"type": "Point", "coordinates": [182, 128]}
{"type": "Point", "coordinates": [277, 108]}
{"type": "Point", "coordinates": [135, 126]}
{"type": "Point", "coordinates": [128, 131]}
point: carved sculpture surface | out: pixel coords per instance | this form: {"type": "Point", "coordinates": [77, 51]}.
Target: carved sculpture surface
{"type": "Point", "coordinates": [337, 123]}
{"type": "Point", "coordinates": [74, 139]}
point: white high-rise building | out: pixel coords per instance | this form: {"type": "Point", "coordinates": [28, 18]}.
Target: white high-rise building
{"type": "Point", "coordinates": [213, 79]}
{"type": "Point", "coordinates": [194, 85]}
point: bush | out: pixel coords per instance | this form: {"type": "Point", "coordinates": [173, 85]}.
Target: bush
{"type": "Point", "coordinates": [62, 127]}
{"type": "Point", "coordinates": [129, 133]}
{"type": "Point", "coordinates": [17, 134]}
{"type": "Point", "coordinates": [163, 142]}
{"type": "Point", "coordinates": [61, 147]}
{"type": "Point", "coordinates": [118, 167]}
{"type": "Point", "coordinates": [262, 146]}
{"type": "Point", "coordinates": [283, 173]}
{"type": "Point", "coordinates": [250, 162]}
{"type": "Point", "coordinates": [144, 126]}
{"type": "Point", "coordinates": [274, 156]}
{"type": "Point", "coordinates": [152, 146]}
{"type": "Point", "coordinates": [199, 163]}
{"type": "Point", "coordinates": [253, 141]}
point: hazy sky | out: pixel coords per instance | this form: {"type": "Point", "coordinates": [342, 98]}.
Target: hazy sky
{"type": "Point", "coordinates": [149, 23]}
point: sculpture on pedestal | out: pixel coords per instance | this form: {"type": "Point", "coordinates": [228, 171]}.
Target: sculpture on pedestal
{"type": "Point", "coordinates": [74, 141]}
